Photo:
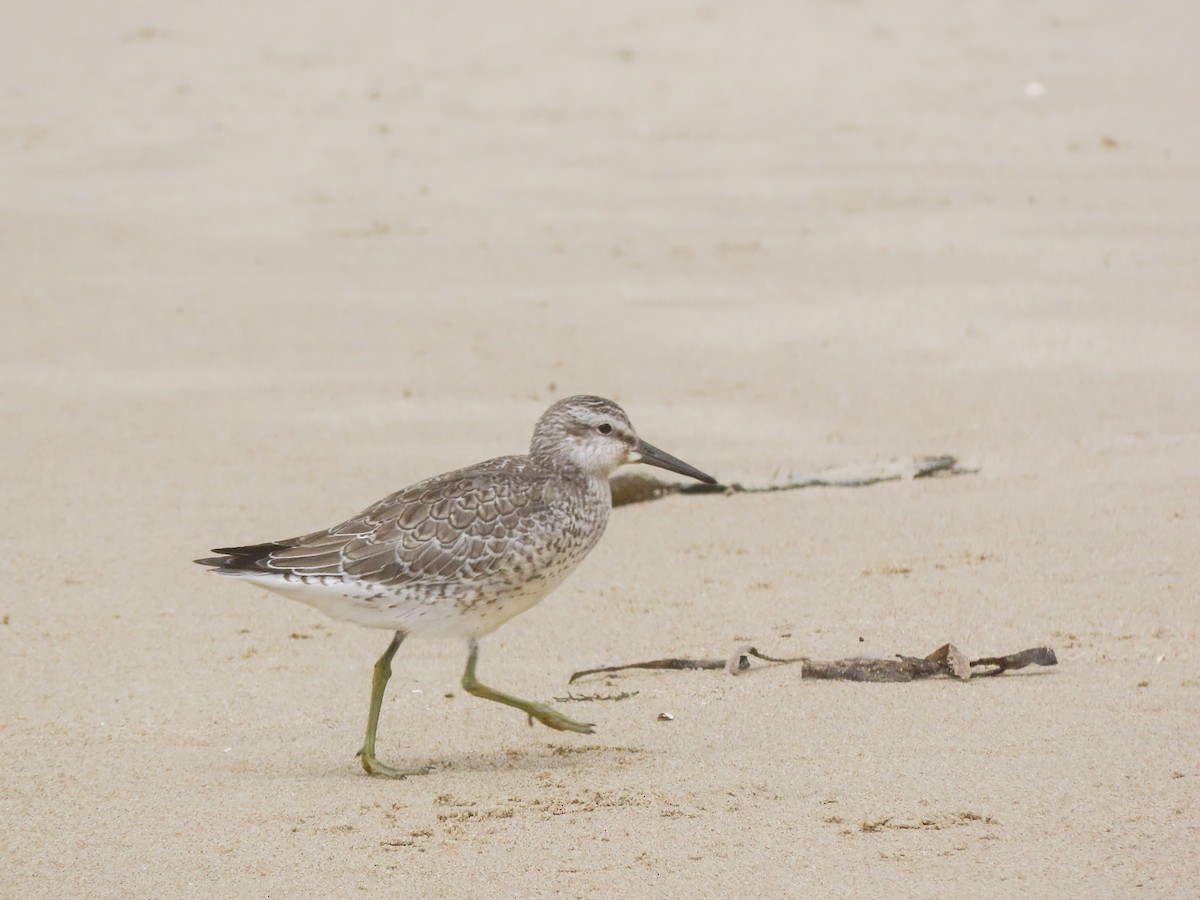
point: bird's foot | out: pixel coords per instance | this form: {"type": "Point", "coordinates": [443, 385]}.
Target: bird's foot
{"type": "Point", "coordinates": [375, 767]}
{"type": "Point", "coordinates": [552, 718]}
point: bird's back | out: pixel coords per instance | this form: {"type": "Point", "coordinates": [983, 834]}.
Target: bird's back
{"type": "Point", "coordinates": [472, 547]}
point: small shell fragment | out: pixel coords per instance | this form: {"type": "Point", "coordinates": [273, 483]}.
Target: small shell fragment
{"type": "Point", "coordinates": [665, 717]}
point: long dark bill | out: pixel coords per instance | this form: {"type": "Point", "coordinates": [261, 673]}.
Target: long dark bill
{"type": "Point", "coordinates": [652, 456]}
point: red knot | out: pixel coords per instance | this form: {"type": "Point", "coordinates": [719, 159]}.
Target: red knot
{"type": "Point", "coordinates": [460, 554]}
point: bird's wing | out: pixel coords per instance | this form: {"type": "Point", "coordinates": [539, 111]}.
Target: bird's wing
{"type": "Point", "coordinates": [455, 527]}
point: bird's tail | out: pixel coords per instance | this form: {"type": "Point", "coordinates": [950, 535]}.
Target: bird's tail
{"type": "Point", "coordinates": [240, 560]}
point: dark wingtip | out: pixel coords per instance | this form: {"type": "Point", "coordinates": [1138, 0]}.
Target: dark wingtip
{"type": "Point", "coordinates": [249, 549]}
{"type": "Point", "coordinates": [240, 559]}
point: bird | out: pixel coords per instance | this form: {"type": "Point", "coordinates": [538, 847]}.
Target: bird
{"type": "Point", "coordinates": [459, 554]}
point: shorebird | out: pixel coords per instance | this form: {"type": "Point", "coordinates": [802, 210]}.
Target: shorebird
{"type": "Point", "coordinates": [459, 554]}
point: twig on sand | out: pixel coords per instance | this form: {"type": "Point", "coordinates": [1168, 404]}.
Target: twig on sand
{"type": "Point", "coordinates": [639, 487]}
{"type": "Point", "coordinates": [946, 660]}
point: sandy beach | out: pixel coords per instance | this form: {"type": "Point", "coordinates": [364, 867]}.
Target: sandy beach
{"type": "Point", "coordinates": [262, 265]}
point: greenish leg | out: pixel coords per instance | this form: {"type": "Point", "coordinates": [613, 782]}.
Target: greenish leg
{"type": "Point", "coordinates": [540, 711]}
{"type": "Point", "coordinates": [383, 671]}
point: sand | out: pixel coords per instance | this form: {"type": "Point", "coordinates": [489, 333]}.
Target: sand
{"type": "Point", "coordinates": [261, 265]}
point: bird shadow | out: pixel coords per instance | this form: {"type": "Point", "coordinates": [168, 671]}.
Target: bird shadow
{"type": "Point", "coordinates": [547, 757]}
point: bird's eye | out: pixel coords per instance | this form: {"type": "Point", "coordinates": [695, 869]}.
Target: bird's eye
{"type": "Point", "coordinates": [604, 429]}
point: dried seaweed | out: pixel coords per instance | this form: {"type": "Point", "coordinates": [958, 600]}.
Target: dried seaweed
{"type": "Point", "coordinates": [1037, 656]}
{"type": "Point", "coordinates": [640, 487]}
{"type": "Point", "coordinates": [593, 698]}
{"type": "Point", "coordinates": [946, 660]}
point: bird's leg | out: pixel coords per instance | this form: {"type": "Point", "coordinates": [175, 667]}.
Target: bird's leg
{"type": "Point", "coordinates": [383, 671]}
{"type": "Point", "coordinates": [540, 711]}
